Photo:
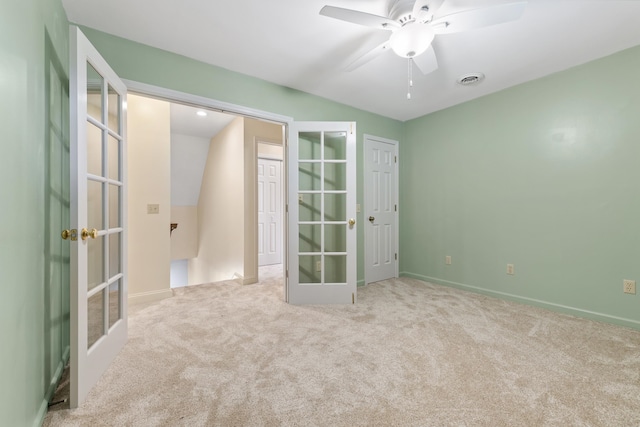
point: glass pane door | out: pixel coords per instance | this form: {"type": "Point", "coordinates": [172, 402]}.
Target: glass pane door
{"type": "Point", "coordinates": [98, 296]}
{"type": "Point", "coordinates": [322, 234]}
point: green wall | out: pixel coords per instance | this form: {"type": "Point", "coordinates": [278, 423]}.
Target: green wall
{"type": "Point", "coordinates": [544, 176]}
{"type": "Point", "coordinates": [34, 308]}
{"type": "Point", "coordinates": [145, 64]}
{"type": "Point", "coordinates": [541, 175]}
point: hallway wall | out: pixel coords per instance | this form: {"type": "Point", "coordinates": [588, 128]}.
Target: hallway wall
{"type": "Point", "coordinates": [221, 207]}
{"type": "Point", "coordinates": [149, 169]}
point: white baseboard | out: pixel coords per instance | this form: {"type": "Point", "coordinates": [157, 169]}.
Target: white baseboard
{"type": "Point", "coordinates": [151, 296]}
{"type": "Point", "coordinates": [574, 311]}
{"type": "Point", "coordinates": [44, 406]}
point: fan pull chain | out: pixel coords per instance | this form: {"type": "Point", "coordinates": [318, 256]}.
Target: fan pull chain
{"type": "Point", "coordinates": [410, 78]}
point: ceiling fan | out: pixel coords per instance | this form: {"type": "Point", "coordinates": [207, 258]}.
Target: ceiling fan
{"type": "Point", "coordinates": [414, 24]}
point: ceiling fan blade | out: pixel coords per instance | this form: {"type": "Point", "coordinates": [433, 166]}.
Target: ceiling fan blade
{"type": "Point", "coordinates": [426, 61]}
{"type": "Point", "coordinates": [424, 10]}
{"type": "Point", "coordinates": [478, 18]}
{"type": "Point", "coordinates": [369, 56]}
{"type": "Point", "coordinates": [360, 18]}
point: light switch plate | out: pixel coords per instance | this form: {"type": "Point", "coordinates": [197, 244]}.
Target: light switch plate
{"type": "Point", "coordinates": [153, 208]}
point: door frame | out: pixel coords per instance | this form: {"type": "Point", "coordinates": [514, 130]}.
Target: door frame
{"type": "Point", "coordinates": [367, 139]}
{"type": "Point", "coordinates": [170, 95]}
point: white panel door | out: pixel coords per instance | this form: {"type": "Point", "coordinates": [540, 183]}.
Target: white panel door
{"type": "Point", "coordinates": [380, 208]}
{"type": "Point", "coordinates": [321, 213]}
{"type": "Point", "coordinates": [98, 207]}
{"type": "Point", "coordinates": [269, 212]}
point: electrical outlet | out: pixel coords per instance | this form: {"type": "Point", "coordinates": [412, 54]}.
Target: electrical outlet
{"type": "Point", "coordinates": [153, 209]}
{"type": "Point", "coordinates": [318, 265]}
{"type": "Point", "coordinates": [358, 208]}
{"type": "Point", "coordinates": [447, 260]}
{"type": "Point", "coordinates": [511, 269]}
{"type": "Point", "coordinates": [629, 286]}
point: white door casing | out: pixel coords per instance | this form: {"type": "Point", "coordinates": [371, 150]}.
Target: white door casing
{"type": "Point", "coordinates": [380, 208]}
{"type": "Point", "coordinates": [269, 211]}
{"type": "Point", "coordinates": [321, 204]}
{"type": "Point", "coordinates": [98, 205]}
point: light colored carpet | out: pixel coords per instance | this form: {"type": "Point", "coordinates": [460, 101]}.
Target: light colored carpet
{"type": "Point", "coordinates": [408, 354]}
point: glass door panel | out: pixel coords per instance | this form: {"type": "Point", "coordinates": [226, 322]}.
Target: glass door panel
{"type": "Point", "coordinates": [335, 176]}
{"type": "Point", "coordinates": [95, 263]}
{"type": "Point", "coordinates": [335, 146]}
{"type": "Point", "coordinates": [114, 106]}
{"type": "Point", "coordinates": [94, 149]}
{"type": "Point", "coordinates": [95, 328]}
{"type": "Point", "coordinates": [115, 310]}
{"type": "Point", "coordinates": [114, 157]}
{"type": "Point", "coordinates": [94, 91]}
{"type": "Point", "coordinates": [309, 145]}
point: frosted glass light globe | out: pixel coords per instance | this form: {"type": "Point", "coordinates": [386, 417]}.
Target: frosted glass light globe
{"type": "Point", "coordinates": [411, 40]}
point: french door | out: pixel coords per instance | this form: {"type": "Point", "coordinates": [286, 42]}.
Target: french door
{"type": "Point", "coordinates": [98, 216]}
{"type": "Point", "coordinates": [321, 213]}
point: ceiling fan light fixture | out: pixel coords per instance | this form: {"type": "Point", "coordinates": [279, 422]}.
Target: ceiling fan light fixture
{"type": "Point", "coordinates": [411, 40]}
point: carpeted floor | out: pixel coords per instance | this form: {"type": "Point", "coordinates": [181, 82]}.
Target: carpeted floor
{"type": "Point", "coordinates": [408, 354]}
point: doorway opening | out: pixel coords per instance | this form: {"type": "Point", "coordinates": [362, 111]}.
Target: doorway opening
{"type": "Point", "coordinates": [214, 196]}
{"type": "Point", "coordinates": [230, 203]}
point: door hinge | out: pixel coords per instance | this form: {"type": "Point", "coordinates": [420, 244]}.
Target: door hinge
{"type": "Point", "coordinates": [353, 298]}
{"type": "Point", "coordinates": [396, 256]}
{"type": "Point", "coordinates": [395, 159]}
{"type": "Point", "coordinates": [286, 274]}
{"type": "Point", "coordinates": [286, 208]}
{"type": "Point", "coordinates": [395, 208]}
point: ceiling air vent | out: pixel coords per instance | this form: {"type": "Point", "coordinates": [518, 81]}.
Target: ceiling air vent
{"type": "Point", "coordinates": [470, 79]}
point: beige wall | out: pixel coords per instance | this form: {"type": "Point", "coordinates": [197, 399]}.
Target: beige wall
{"type": "Point", "coordinates": [221, 210]}
{"type": "Point", "coordinates": [184, 239]}
{"type": "Point", "coordinates": [149, 180]}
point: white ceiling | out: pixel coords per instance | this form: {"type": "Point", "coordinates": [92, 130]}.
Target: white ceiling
{"type": "Point", "coordinates": [190, 138]}
{"type": "Point", "coordinates": [186, 121]}
{"type": "Point", "coordinates": [287, 42]}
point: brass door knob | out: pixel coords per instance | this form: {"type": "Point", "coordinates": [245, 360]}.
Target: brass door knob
{"type": "Point", "coordinates": [371, 219]}
{"type": "Point", "coordinates": [93, 233]}
{"type": "Point", "coordinates": [352, 222]}
{"type": "Point", "coordinates": [69, 234]}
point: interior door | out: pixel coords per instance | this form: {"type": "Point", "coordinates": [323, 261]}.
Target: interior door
{"type": "Point", "coordinates": [380, 208]}
{"type": "Point", "coordinates": [98, 199]}
{"type": "Point", "coordinates": [269, 212]}
{"type": "Point", "coordinates": [321, 213]}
